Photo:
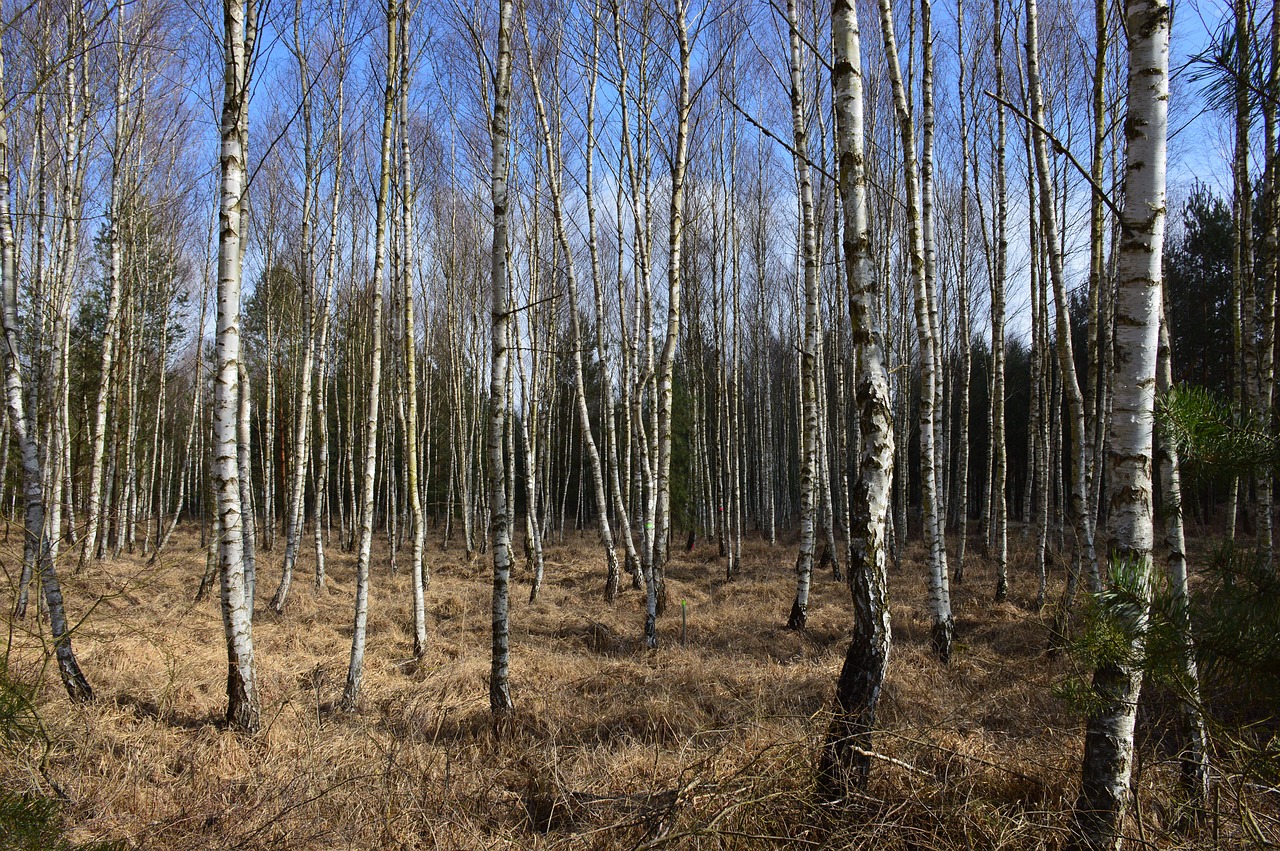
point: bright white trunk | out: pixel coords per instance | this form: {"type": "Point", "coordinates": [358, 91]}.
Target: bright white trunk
{"type": "Point", "coordinates": [1108, 749]}
{"type": "Point", "coordinates": [845, 760]}
{"type": "Point", "coordinates": [355, 668]}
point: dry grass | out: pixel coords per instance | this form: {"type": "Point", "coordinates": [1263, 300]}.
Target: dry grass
{"type": "Point", "coordinates": [706, 745]}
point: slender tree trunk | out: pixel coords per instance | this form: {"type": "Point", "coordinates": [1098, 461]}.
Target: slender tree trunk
{"type": "Point", "coordinates": [1194, 759]}
{"type": "Point", "coordinates": [999, 465]}
{"type": "Point", "coordinates": [667, 361]}
{"type": "Point", "coordinates": [243, 713]}
{"type": "Point", "coordinates": [1095, 389]}
{"type": "Point", "coordinates": [1242, 269]}
{"type": "Point", "coordinates": [322, 405]}
{"type": "Point", "coordinates": [1083, 554]}
{"type": "Point", "coordinates": [613, 572]}
{"type": "Point", "coordinates": [355, 669]}
{"type": "Point", "coordinates": [297, 481]}
{"type": "Point", "coordinates": [962, 297]}
{"type": "Point", "coordinates": [809, 351]}
{"type": "Point", "coordinates": [419, 573]}
{"type": "Point", "coordinates": [1265, 395]}
{"type": "Point", "coordinates": [249, 540]}
{"type": "Point", "coordinates": [939, 593]}
{"type": "Point", "coordinates": [500, 702]}
{"type": "Point", "coordinates": [34, 528]}
{"type": "Point", "coordinates": [597, 281]}
{"type": "Point", "coordinates": [197, 395]}
{"type": "Point", "coordinates": [111, 330]}
{"type": "Point", "coordinates": [846, 757]}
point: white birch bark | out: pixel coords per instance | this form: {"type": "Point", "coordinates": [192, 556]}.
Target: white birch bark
{"type": "Point", "coordinates": [34, 524]}
{"type": "Point", "coordinates": [1108, 749]}
{"type": "Point", "coordinates": [355, 668]}
{"type": "Point", "coordinates": [613, 572]}
{"type": "Point", "coordinates": [297, 481]}
{"type": "Point", "coordinates": [331, 265]}
{"type": "Point", "coordinates": [619, 503]}
{"type": "Point", "coordinates": [845, 762]}
{"type": "Point", "coordinates": [249, 540]}
{"type": "Point", "coordinates": [1194, 759]}
{"type": "Point", "coordinates": [675, 248]}
{"type": "Point", "coordinates": [111, 329]}
{"type": "Point", "coordinates": [500, 702]}
{"type": "Point", "coordinates": [1083, 555]}
{"type": "Point", "coordinates": [809, 351]}
{"type": "Point", "coordinates": [962, 297]}
{"type": "Point", "coordinates": [939, 592]}
{"type": "Point", "coordinates": [419, 572]}
{"type": "Point", "coordinates": [239, 22]}
{"type": "Point", "coordinates": [999, 500]}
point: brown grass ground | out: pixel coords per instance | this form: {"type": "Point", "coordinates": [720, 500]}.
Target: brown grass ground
{"type": "Point", "coordinates": [709, 744]}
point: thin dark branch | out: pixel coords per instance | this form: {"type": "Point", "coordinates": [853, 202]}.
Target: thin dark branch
{"type": "Point", "coordinates": [1061, 149]}
{"type": "Point", "coordinates": [766, 131]}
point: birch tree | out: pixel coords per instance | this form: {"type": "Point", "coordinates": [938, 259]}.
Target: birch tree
{"type": "Point", "coordinates": [809, 349]}
{"type": "Point", "coordinates": [675, 244]}
{"type": "Point", "coordinates": [35, 530]}
{"type": "Point", "coordinates": [845, 760]}
{"type": "Point", "coordinates": [500, 702]}
{"type": "Point", "coordinates": [1108, 749]}
{"type": "Point", "coordinates": [297, 480]}
{"type": "Point", "coordinates": [419, 572]}
{"type": "Point", "coordinates": [355, 669]}
{"type": "Point", "coordinates": [925, 313]}
{"type": "Point", "coordinates": [1084, 554]}
{"type": "Point", "coordinates": [999, 463]}
{"type": "Point", "coordinates": [554, 172]}
{"type": "Point", "coordinates": [1194, 759]}
{"type": "Point", "coordinates": [240, 19]}
{"type": "Point", "coordinates": [111, 331]}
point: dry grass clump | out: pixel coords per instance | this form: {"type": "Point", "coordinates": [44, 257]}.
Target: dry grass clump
{"type": "Point", "coordinates": [709, 743]}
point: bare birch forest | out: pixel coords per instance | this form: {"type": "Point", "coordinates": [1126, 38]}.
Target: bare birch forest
{"type": "Point", "coordinates": [685, 423]}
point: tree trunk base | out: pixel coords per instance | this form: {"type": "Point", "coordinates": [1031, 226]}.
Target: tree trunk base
{"type": "Point", "coordinates": [799, 618]}
{"type": "Point", "coordinates": [940, 636]}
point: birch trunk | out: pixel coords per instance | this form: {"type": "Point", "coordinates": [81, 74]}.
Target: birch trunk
{"type": "Point", "coordinates": [500, 702]}
{"type": "Point", "coordinates": [1194, 759]}
{"type": "Point", "coordinates": [322, 408]}
{"type": "Point", "coordinates": [111, 330]}
{"type": "Point", "coordinates": [999, 498]}
{"type": "Point", "coordinates": [1083, 555]}
{"type": "Point", "coordinates": [809, 352]}
{"type": "Point", "coordinates": [355, 669]}
{"type": "Point", "coordinates": [419, 572]}
{"type": "Point", "coordinates": [1271, 248]}
{"type": "Point", "coordinates": [1108, 749]}
{"type": "Point", "coordinates": [939, 592]}
{"type": "Point", "coordinates": [962, 297]}
{"type": "Point", "coordinates": [845, 762]}
{"type": "Point", "coordinates": [1242, 268]}
{"type": "Point", "coordinates": [35, 532]}
{"type": "Point", "coordinates": [239, 23]}
{"type": "Point", "coordinates": [613, 572]}
{"type": "Point", "coordinates": [667, 361]}
{"type": "Point", "coordinates": [1095, 391]}
{"type": "Point", "coordinates": [297, 481]}
{"type": "Point", "coordinates": [249, 533]}
{"type": "Point", "coordinates": [597, 280]}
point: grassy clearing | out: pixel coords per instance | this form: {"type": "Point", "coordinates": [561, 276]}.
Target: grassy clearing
{"type": "Point", "coordinates": [705, 744]}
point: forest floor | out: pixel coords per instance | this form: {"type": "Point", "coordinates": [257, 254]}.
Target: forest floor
{"type": "Point", "coordinates": [708, 742]}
